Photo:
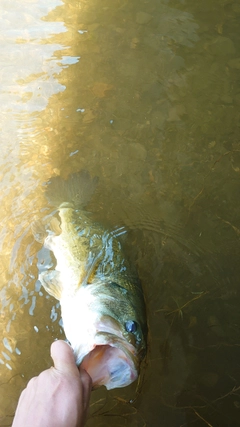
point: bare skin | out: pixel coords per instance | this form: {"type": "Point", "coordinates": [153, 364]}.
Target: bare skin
{"type": "Point", "coordinates": [58, 397]}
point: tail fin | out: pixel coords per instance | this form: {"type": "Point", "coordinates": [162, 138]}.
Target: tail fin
{"type": "Point", "coordinates": [76, 190]}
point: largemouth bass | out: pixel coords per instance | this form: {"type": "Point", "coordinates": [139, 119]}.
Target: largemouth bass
{"type": "Point", "coordinates": [102, 302]}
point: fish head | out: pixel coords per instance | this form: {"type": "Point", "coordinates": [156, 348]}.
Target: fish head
{"type": "Point", "coordinates": [107, 332]}
{"type": "Point", "coordinates": [115, 358]}
{"type": "Point", "coordinates": [111, 362]}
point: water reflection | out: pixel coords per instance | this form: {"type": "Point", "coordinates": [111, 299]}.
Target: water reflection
{"type": "Point", "coordinates": [146, 96]}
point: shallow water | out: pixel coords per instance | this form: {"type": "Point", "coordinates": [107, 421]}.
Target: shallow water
{"type": "Point", "coordinates": [146, 95]}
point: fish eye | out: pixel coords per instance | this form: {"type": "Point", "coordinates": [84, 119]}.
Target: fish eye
{"type": "Point", "coordinates": [131, 326]}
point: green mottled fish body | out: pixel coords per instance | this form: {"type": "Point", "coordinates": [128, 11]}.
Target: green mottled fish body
{"type": "Point", "coordinates": [101, 299]}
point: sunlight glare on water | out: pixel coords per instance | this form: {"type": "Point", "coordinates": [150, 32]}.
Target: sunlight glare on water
{"type": "Point", "coordinates": [145, 95]}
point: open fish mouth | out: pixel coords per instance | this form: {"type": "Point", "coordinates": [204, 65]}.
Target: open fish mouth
{"type": "Point", "coordinates": [111, 362]}
{"type": "Point", "coordinates": [101, 343]}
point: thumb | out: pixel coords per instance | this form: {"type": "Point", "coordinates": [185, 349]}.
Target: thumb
{"type": "Point", "coordinates": [63, 358]}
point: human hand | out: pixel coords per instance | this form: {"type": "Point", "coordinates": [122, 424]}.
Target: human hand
{"type": "Point", "coordinates": [58, 397]}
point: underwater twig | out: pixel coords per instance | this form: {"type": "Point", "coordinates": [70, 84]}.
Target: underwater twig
{"type": "Point", "coordinates": [206, 176]}
{"type": "Point", "coordinates": [98, 412]}
{"type": "Point", "coordinates": [217, 346]}
{"type": "Point", "coordinates": [231, 225]}
{"type": "Point", "coordinates": [233, 391]}
{"type": "Point", "coordinates": [199, 416]}
{"type": "Point", "coordinates": [179, 309]}
{"type": "Point", "coordinates": [10, 379]}
{"type": "Point", "coordinates": [132, 410]}
{"type": "Point", "coordinates": [187, 303]}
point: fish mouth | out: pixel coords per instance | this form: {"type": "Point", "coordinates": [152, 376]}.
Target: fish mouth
{"type": "Point", "coordinates": [111, 362]}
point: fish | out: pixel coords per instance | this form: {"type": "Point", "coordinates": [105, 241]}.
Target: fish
{"type": "Point", "coordinates": [102, 302]}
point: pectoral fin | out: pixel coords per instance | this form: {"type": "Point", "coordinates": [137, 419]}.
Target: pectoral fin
{"type": "Point", "coordinates": [38, 231]}
{"type": "Point", "coordinates": [51, 282]}
{"type": "Point", "coordinates": [90, 270]}
{"type": "Point", "coordinates": [55, 226]}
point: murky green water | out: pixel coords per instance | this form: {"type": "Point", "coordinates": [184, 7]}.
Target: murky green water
{"type": "Point", "coordinates": [146, 95]}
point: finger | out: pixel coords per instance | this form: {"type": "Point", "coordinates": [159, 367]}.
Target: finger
{"type": "Point", "coordinates": [63, 357]}
{"type": "Point", "coordinates": [31, 382]}
{"type": "Point", "coordinates": [87, 386]}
